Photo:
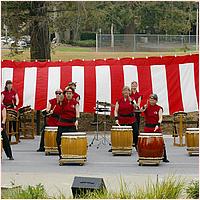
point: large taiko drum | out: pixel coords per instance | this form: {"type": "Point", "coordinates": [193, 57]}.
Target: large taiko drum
{"type": "Point", "coordinates": [150, 148]}
{"type": "Point", "coordinates": [122, 140]}
{"type": "Point", "coordinates": [192, 140]}
{"type": "Point", "coordinates": [73, 148]}
{"type": "Point", "coordinates": [50, 143]}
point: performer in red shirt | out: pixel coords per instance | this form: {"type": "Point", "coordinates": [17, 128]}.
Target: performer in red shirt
{"type": "Point", "coordinates": [68, 121]}
{"type": "Point", "coordinates": [9, 96]}
{"type": "Point", "coordinates": [135, 95]}
{"type": "Point", "coordinates": [124, 113]}
{"type": "Point", "coordinates": [51, 114]}
{"type": "Point", "coordinates": [76, 96]}
{"type": "Point", "coordinates": [10, 99]}
{"type": "Point", "coordinates": [153, 118]}
{"type": "Point", "coordinates": [6, 143]}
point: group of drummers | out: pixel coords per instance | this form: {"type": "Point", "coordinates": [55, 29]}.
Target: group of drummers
{"type": "Point", "coordinates": [63, 112]}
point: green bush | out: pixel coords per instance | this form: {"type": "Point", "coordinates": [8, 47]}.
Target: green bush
{"type": "Point", "coordinates": [29, 192]}
{"type": "Point", "coordinates": [88, 36]}
{"type": "Point", "coordinates": [169, 188]}
{"type": "Point", "coordinates": [84, 43]}
{"type": "Point", "coordinates": [193, 190]}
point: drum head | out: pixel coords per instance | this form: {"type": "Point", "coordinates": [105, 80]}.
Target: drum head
{"type": "Point", "coordinates": [51, 128]}
{"type": "Point", "coordinates": [121, 127]}
{"type": "Point", "coordinates": [150, 134]}
{"type": "Point", "coordinates": [74, 134]}
{"type": "Point", "coordinates": [192, 129]}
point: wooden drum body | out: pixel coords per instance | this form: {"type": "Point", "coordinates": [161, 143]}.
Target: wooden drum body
{"type": "Point", "coordinates": [50, 143]}
{"type": "Point", "coordinates": [192, 140]}
{"type": "Point", "coordinates": [73, 148]}
{"type": "Point", "coordinates": [122, 140]}
{"type": "Point", "coordinates": [150, 148]}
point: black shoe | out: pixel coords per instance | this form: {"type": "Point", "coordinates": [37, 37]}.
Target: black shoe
{"type": "Point", "coordinates": [138, 160]}
{"type": "Point", "coordinates": [110, 150]}
{"type": "Point", "coordinates": [11, 158]}
{"type": "Point", "coordinates": [165, 160]}
{"type": "Point", "coordinates": [40, 150]}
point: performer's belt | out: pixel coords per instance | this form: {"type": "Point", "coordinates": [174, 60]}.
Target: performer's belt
{"type": "Point", "coordinates": [55, 116]}
{"type": "Point", "coordinates": [67, 120]}
{"type": "Point", "coordinates": [127, 115]}
{"type": "Point", "coordinates": [151, 125]}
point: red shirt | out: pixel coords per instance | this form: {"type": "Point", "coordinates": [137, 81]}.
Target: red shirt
{"type": "Point", "coordinates": [68, 113]}
{"type": "Point", "coordinates": [125, 108]}
{"type": "Point", "coordinates": [75, 96]}
{"type": "Point", "coordinates": [151, 115]}
{"type": "Point", "coordinates": [135, 96]}
{"type": "Point", "coordinates": [9, 97]}
{"type": "Point", "coordinates": [52, 120]}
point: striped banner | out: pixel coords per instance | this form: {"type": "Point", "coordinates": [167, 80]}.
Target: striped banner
{"type": "Point", "coordinates": [175, 79]}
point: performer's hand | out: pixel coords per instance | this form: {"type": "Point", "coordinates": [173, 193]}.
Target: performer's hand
{"type": "Point", "coordinates": [156, 128]}
{"type": "Point", "coordinates": [1, 129]}
{"type": "Point", "coordinates": [76, 124]}
{"type": "Point", "coordinates": [117, 122]}
{"type": "Point", "coordinates": [15, 107]}
{"type": "Point", "coordinates": [51, 112]}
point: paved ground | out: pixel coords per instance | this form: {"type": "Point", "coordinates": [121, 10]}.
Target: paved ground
{"type": "Point", "coordinates": [31, 167]}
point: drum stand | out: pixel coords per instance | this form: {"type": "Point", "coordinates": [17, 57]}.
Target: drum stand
{"type": "Point", "coordinates": [180, 134]}
{"type": "Point", "coordinates": [103, 140]}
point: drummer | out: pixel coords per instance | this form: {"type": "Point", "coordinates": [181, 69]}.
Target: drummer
{"type": "Point", "coordinates": [6, 144]}
{"type": "Point", "coordinates": [135, 95]}
{"type": "Point", "coordinates": [9, 96]}
{"type": "Point", "coordinates": [52, 114]}
{"type": "Point", "coordinates": [76, 96]}
{"type": "Point", "coordinates": [124, 113]}
{"type": "Point", "coordinates": [10, 99]}
{"type": "Point", "coordinates": [68, 121]}
{"type": "Point", "coordinates": [153, 118]}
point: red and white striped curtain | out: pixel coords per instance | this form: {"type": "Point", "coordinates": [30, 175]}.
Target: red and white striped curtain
{"type": "Point", "coordinates": [175, 79]}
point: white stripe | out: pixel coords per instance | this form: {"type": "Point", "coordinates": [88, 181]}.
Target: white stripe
{"type": "Point", "coordinates": [130, 75]}
{"type": "Point", "coordinates": [78, 76]}
{"type": "Point", "coordinates": [30, 76]}
{"type": "Point", "coordinates": [7, 74]}
{"type": "Point", "coordinates": [189, 97]}
{"type": "Point", "coordinates": [103, 84]}
{"type": "Point", "coordinates": [53, 82]}
{"type": "Point", "coordinates": [159, 86]}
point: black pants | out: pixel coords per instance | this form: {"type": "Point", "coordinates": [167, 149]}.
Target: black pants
{"type": "Point", "coordinates": [12, 125]}
{"type": "Point", "coordinates": [63, 129]}
{"type": "Point", "coordinates": [137, 116]}
{"type": "Point", "coordinates": [42, 138]}
{"type": "Point", "coordinates": [135, 131]}
{"type": "Point", "coordinates": [6, 144]}
{"type": "Point", "coordinates": [165, 153]}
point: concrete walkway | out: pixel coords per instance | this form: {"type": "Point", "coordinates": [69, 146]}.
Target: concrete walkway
{"type": "Point", "coordinates": [31, 167]}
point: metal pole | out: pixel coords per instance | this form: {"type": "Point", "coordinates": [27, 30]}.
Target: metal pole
{"type": "Point", "coordinates": [96, 42]}
{"type": "Point", "coordinates": [197, 30]}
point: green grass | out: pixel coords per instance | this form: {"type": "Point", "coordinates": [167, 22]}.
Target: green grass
{"type": "Point", "coordinates": [193, 190]}
{"type": "Point", "coordinates": [73, 49]}
{"type": "Point", "coordinates": [66, 53]}
{"type": "Point", "coordinates": [170, 187]}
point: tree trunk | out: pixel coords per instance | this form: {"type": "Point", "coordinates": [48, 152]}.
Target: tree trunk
{"type": "Point", "coordinates": [40, 44]}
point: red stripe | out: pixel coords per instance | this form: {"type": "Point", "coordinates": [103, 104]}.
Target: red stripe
{"type": "Point", "coordinates": [117, 81]}
{"type": "Point", "coordinates": [174, 88]}
{"type": "Point", "coordinates": [196, 77]}
{"type": "Point", "coordinates": [41, 88]}
{"type": "Point", "coordinates": [89, 86]}
{"type": "Point", "coordinates": [18, 83]}
{"type": "Point", "coordinates": [66, 76]}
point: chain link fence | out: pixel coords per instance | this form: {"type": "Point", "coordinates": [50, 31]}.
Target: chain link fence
{"type": "Point", "coordinates": [145, 43]}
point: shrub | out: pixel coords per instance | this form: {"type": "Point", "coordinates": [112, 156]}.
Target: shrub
{"type": "Point", "coordinates": [88, 36]}
{"type": "Point", "coordinates": [193, 190]}
{"type": "Point", "coordinates": [29, 192]}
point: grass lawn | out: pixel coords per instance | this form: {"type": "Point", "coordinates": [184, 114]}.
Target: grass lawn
{"type": "Point", "coordinates": [66, 53]}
